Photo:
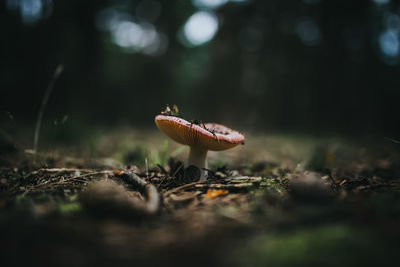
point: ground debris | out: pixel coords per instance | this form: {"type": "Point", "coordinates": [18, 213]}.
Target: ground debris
{"type": "Point", "coordinates": [107, 198]}
{"type": "Point", "coordinates": [213, 193]}
{"type": "Point", "coordinates": [114, 211]}
{"type": "Point", "coordinates": [231, 186]}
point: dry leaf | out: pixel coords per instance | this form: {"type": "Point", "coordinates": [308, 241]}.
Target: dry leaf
{"type": "Point", "coordinates": [213, 193]}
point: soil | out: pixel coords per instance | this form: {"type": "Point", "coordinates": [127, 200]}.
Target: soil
{"type": "Point", "coordinates": [277, 201]}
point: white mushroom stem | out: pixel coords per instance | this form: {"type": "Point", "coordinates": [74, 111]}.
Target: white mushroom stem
{"type": "Point", "coordinates": [198, 158]}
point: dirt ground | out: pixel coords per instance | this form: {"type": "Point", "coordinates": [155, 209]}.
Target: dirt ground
{"type": "Point", "coordinates": [277, 201]}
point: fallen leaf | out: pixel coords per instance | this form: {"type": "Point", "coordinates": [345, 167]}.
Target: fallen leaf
{"type": "Point", "coordinates": [213, 193]}
{"type": "Point", "coordinates": [118, 172]}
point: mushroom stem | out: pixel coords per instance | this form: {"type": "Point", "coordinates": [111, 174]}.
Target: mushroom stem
{"type": "Point", "coordinates": [198, 158]}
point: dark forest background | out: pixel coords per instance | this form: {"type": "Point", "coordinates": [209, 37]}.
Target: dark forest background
{"type": "Point", "coordinates": [312, 66]}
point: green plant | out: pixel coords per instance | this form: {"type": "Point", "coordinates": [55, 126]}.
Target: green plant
{"type": "Point", "coordinates": [160, 157]}
{"type": "Point", "coordinates": [67, 208]}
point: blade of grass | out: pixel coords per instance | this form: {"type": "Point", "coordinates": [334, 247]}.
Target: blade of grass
{"type": "Point", "coordinates": [45, 99]}
{"type": "Point", "coordinates": [393, 140]}
{"type": "Point", "coordinates": [179, 151]}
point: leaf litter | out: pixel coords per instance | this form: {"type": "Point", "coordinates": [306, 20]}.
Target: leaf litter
{"type": "Point", "coordinates": [166, 205]}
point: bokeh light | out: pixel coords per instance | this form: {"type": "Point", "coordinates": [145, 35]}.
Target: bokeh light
{"type": "Point", "coordinates": [31, 11]}
{"type": "Point", "coordinates": [308, 32]}
{"type": "Point", "coordinates": [209, 3]}
{"type": "Point", "coordinates": [286, 56]}
{"type": "Point", "coordinates": [381, 2]}
{"type": "Point", "coordinates": [389, 44]}
{"type": "Point", "coordinates": [129, 34]}
{"type": "Point", "coordinates": [200, 28]}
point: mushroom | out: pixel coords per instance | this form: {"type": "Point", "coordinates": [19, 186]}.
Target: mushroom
{"type": "Point", "coordinates": [200, 137]}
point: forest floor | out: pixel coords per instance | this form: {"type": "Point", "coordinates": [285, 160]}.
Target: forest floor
{"type": "Point", "coordinates": [276, 201]}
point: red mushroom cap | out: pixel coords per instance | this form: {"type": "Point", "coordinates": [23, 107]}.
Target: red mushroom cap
{"type": "Point", "coordinates": [215, 137]}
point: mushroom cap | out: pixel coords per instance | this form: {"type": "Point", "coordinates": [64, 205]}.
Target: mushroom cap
{"type": "Point", "coordinates": [216, 137]}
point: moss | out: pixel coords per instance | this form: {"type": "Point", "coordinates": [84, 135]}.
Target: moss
{"type": "Point", "coordinates": [332, 245]}
{"type": "Point", "coordinates": [68, 208]}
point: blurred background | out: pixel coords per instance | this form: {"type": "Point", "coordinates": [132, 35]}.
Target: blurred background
{"type": "Point", "coordinates": [310, 66]}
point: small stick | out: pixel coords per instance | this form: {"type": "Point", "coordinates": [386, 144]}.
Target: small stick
{"type": "Point", "coordinates": [177, 170]}
{"type": "Point", "coordinates": [90, 174]}
{"type": "Point", "coordinates": [153, 198]}
{"type": "Point", "coordinates": [162, 169]}
{"type": "Point", "coordinates": [336, 187]}
{"type": "Point", "coordinates": [176, 189]}
{"type": "Point", "coordinates": [45, 99]}
{"type": "Point", "coordinates": [167, 176]}
{"type": "Point", "coordinates": [58, 170]}
{"type": "Point", "coordinates": [242, 185]}
{"type": "Point", "coordinates": [243, 178]}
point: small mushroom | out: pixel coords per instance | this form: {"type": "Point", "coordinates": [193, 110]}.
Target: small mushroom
{"type": "Point", "coordinates": [200, 138]}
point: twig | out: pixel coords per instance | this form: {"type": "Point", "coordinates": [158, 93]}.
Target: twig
{"type": "Point", "coordinates": [243, 178]}
{"type": "Point", "coordinates": [50, 184]}
{"type": "Point", "coordinates": [151, 193]}
{"type": "Point", "coordinates": [162, 181]}
{"type": "Point", "coordinates": [176, 189]}
{"type": "Point", "coordinates": [173, 176]}
{"type": "Point", "coordinates": [374, 186]}
{"type": "Point", "coordinates": [60, 170]}
{"type": "Point", "coordinates": [242, 185]}
{"type": "Point", "coordinates": [177, 170]}
{"type": "Point", "coordinates": [162, 169]}
{"type": "Point", "coordinates": [80, 178]}
{"type": "Point", "coordinates": [334, 184]}
{"type": "Point", "coordinates": [45, 99]}
{"type": "Point", "coordinates": [90, 174]}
